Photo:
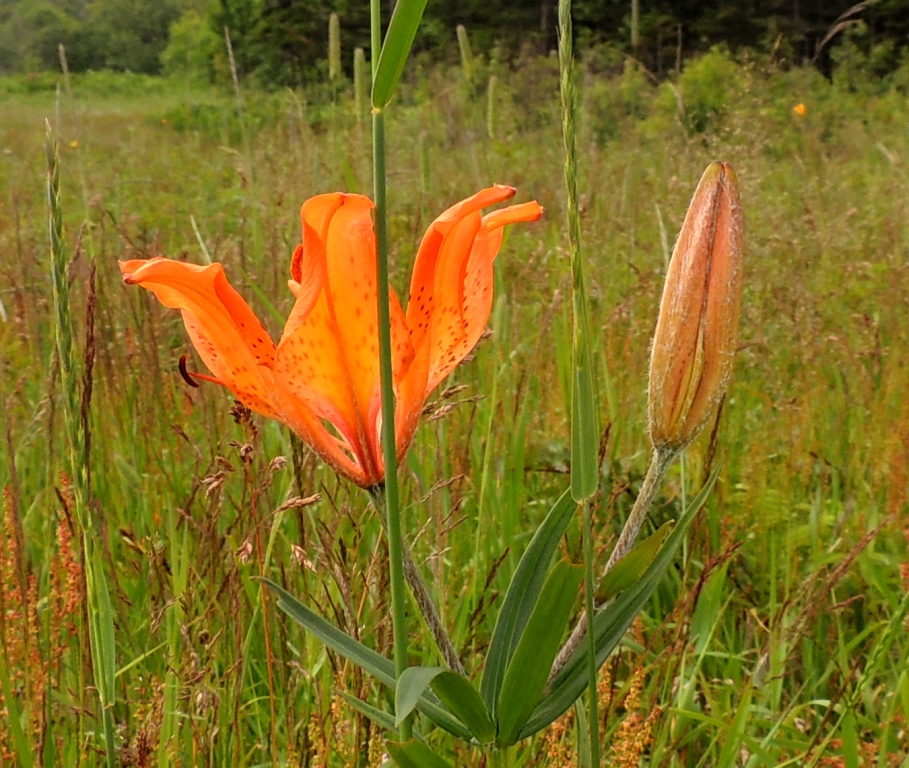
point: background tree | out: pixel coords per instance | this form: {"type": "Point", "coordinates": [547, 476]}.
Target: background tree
{"type": "Point", "coordinates": [284, 42]}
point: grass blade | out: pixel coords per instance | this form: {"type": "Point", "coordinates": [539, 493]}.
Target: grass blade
{"type": "Point", "coordinates": [584, 420]}
{"type": "Point", "coordinates": [629, 569]}
{"type": "Point", "coordinates": [458, 694]}
{"type": "Point", "coordinates": [378, 716]}
{"type": "Point", "coordinates": [411, 685]}
{"type": "Point", "coordinates": [398, 40]}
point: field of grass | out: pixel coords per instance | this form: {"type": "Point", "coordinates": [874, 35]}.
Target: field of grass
{"type": "Point", "coordinates": [779, 638]}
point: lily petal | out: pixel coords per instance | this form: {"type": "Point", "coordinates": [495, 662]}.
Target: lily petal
{"type": "Point", "coordinates": [451, 295]}
{"type": "Point", "coordinates": [451, 290]}
{"type": "Point", "coordinates": [225, 331]}
{"type": "Point", "coordinates": [328, 354]}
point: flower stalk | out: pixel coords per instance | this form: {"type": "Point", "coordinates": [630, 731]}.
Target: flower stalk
{"type": "Point", "coordinates": [392, 514]}
{"type": "Point", "coordinates": [659, 464]}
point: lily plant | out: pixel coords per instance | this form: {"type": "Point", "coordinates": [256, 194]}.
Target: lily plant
{"type": "Point", "coordinates": [353, 369]}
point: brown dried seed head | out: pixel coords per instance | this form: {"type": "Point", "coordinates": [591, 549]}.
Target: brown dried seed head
{"type": "Point", "coordinates": [697, 330]}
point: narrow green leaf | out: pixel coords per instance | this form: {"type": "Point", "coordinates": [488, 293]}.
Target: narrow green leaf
{"type": "Point", "coordinates": [610, 624]}
{"type": "Point", "coordinates": [398, 40]}
{"type": "Point", "coordinates": [850, 741]}
{"type": "Point", "coordinates": [585, 436]}
{"type": "Point", "coordinates": [629, 569]}
{"type": "Point", "coordinates": [378, 716]}
{"type": "Point", "coordinates": [583, 726]}
{"type": "Point", "coordinates": [367, 659]}
{"type": "Point", "coordinates": [526, 675]}
{"type": "Point", "coordinates": [458, 694]}
{"type": "Point", "coordinates": [14, 719]}
{"type": "Point", "coordinates": [103, 613]}
{"type": "Point", "coordinates": [412, 684]}
{"type": "Point", "coordinates": [732, 743]}
{"type": "Point", "coordinates": [584, 421]}
{"type": "Point", "coordinates": [521, 598]}
{"type": "Point", "coordinates": [415, 754]}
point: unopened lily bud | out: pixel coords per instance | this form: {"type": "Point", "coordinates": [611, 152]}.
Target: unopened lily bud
{"type": "Point", "coordinates": [697, 330]}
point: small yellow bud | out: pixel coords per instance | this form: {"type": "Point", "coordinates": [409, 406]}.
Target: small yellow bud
{"type": "Point", "coordinates": [800, 109]}
{"type": "Point", "coordinates": [697, 330]}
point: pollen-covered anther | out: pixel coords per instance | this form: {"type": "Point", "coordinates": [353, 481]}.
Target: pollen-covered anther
{"type": "Point", "coordinates": [190, 376]}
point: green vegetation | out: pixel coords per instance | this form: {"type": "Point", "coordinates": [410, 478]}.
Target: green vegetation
{"type": "Point", "coordinates": [282, 43]}
{"type": "Point", "coordinates": [779, 636]}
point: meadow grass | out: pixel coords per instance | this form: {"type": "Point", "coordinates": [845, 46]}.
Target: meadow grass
{"type": "Point", "coordinates": [779, 638]}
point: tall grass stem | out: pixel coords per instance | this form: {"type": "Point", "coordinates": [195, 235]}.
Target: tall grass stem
{"type": "Point", "coordinates": [75, 420]}
{"type": "Point", "coordinates": [361, 83]}
{"type": "Point", "coordinates": [589, 589]}
{"type": "Point", "coordinates": [584, 419]}
{"type": "Point", "coordinates": [466, 54]}
{"type": "Point", "coordinates": [492, 90]}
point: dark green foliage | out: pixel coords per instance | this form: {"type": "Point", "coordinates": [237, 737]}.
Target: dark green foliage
{"type": "Point", "coordinates": [193, 49]}
{"type": "Point", "coordinates": [285, 42]}
{"type": "Point", "coordinates": [125, 35]}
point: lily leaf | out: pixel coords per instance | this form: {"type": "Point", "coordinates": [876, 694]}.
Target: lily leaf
{"type": "Point", "coordinates": [454, 690]}
{"type": "Point", "coordinates": [458, 694]}
{"type": "Point", "coordinates": [611, 623]}
{"type": "Point", "coordinates": [412, 684]}
{"type": "Point", "coordinates": [414, 754]}
{"type": "Point", "coordinates": [398, 41]}
{"type": "Point", "coordinates": [521, 598]}
{"type": "Point", "coordinates": [629, 568]}
{"type": "Point", "coordinates": [528, 670]}
{"type": "Point", "coordinates": [367, 659]}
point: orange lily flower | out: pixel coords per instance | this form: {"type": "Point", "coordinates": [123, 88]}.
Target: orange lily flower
{"type": "Point", "coordinates": [322, 378]}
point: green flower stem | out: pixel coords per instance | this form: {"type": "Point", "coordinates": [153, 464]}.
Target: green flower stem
{"type": "Point", "coordinates": [662, 459]}
{"type": "Point", "coordinates": [389, 448]}
{"type": "Point", "coordinates": [499, 758]}
{"type": "Point", "coordinates": [421, 596]}
{"type": "Point", "coordinates": [660, 463]}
